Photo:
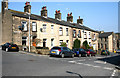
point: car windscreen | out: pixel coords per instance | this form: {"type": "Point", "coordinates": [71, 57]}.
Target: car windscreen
{"type": "Point", "coordinates": [13, 45]}
{"type": "Point", "coordinates": [56, 48]}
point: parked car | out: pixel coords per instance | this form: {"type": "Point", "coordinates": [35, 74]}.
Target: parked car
{"type": "Point", "coordinates": [90, 52]}
{"type": "Point", "coordinates": [118, 51]}
{"type": "Point", "coordinates": [61, 51]}
{"type": "Point", "coordinates": [80, 52]}
{"type": "Point", "coordinates": [10, 47]}
{"type": "Point", "coordinates": [105, 52]}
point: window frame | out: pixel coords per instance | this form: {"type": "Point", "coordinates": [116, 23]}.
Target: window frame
{"type": "Point", "coordinates": [35, 26]}
{"type": "Point", "coordinates": [24, 26]}
{"type": "Point", "coordinates": [60, 31]}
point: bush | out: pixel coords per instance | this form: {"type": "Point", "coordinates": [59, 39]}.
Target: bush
{"type": "Point", "coordinates": [76, 44]}
{"type": "Point", "coordinates": [85, 44]}
{"type": "Point", "coordinates": [63, 44]}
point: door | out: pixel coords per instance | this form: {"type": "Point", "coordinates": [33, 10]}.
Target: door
{"type": "Point", "coordinates": [44, 42]}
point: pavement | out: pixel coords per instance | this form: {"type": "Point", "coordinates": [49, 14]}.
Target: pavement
{"type": "Point", "coordinates": [30, 64]}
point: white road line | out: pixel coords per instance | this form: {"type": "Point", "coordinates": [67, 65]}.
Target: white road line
{"type": "Point", "coordinates": [88, 64]}
{"type": "Point", "coordinates": [107, 68]}
{"type": "Point", "coordinates": [72, 61]}
{"type": "Point", "coordinates": [100, 62]}
{"type": "Point", "coordinates": [79, 63]}
{"type": "Point", "coordinates": [113, 74]}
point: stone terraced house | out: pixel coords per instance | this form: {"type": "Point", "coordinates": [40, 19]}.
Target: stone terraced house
{"type": "Point", "coordinates": [50, 31]}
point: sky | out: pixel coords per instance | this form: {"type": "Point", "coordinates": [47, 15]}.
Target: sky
{"type": "Point", "coordinates": [101, 16]}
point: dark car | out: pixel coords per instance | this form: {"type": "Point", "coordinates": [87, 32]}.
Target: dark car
{"type": "Point", "coordinates": [10, 47]}
{"type": "Point", "coordinates": [105, 52]}
{"type": "Point", "coordinates": [80, 52]}
{"type": "Point", "coordinates": [90, 52]}
{"type": "Point", "coordinates": [61, 51]}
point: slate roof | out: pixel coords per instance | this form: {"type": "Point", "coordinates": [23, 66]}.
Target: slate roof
{"type": "Point", "coordinates": [105, 34]}
{"type": "Point", "coordinates": [48, 19]}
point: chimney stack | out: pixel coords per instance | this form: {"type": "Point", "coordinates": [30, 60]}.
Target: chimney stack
{"type": "Point", "coordinates": [79, 21]}
{"type": "Point", "coordinates": [57, 15]}
{"type": "Point", "coordinates": [27, 7]}
{"type": "Point", "coordinates": [69, 17]}
{"type": "Point", "coordinates": [4, 6]}
{"type": "Point", "coordinates": [44, 11]}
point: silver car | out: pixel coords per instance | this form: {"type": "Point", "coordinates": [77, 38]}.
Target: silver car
{"type": "Point", "coordinates": [61, 51]}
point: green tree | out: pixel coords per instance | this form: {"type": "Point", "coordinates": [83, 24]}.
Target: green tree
{"type": "Point", "coordinates": [76, 44]}
{"type": "Point", "coordinates": [85, 44]}
{"type": "Point", "coordinates": [63, 44]}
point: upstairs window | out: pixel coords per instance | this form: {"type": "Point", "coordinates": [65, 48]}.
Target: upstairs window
{"type": "Point", "coordinates": [44, 27]}
{"type": "Point", "coordinates": [24, 23]}
{"type": "Point", "coordinates": [52, 28]}
{"type": "Point", "coordinates": [66, 31]}
{"type": "Point", "coordinates": [60, 31]}
{"type": "Point", "coordinates": [74, 33]}
{"type": "Point", "coordinates": [89, 35]}
{"type": "Point", "coordinates": [60, 42]}
{"type": "Point", "coordinates": [79, 34]}
{"type": "Point", "coordinates": [34, 26]}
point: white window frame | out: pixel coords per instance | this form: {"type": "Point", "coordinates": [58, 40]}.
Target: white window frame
{"type": "Point", "coordinates": [25, 26]}
{"type": "Point", "coordinates": [44, 27]}
{"type": "Point", "coordinates": [60, 41]}
{"type": "Point", "coordinates": [67, 30]}
{"type": "Point", "coordinates": [52, 28]}
{"type": "Point", "coordinates": [67, 42]}
{"type": "Point", "coordinates": [34, 26]}
{"type": "Point", "coordinates": [52, 42]}
{"type": "Point", "coordinates": [60, 31]}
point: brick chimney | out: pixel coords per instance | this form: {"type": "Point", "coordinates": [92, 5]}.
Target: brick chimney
{"type": "Point", "coordinates": [44, 11]}
{"type": "Point", "coordinates": [57, 15]}
{"type": "Point", "coordinates": [79, 21]}
{"type": "Point", "coordinates": [27, 7]}
{"type": "Point", "coordinates": [4, 6]}
{"type": "Point", "coordinates": [69, 17]}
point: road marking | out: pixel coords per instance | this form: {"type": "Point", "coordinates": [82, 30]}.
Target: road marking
{"type": "Point", "coordinates": [72, 61]}
{"type": "Point", "coordinates": [79, 63]}
{"type": "Point", "coordinates": [107, 68]}
{"type": "Point", "coordinates": [100, 62]}
{"type": "Point", "coordinates": [113, 74]}
{"type": "Point", "coordinates": [88, 64]}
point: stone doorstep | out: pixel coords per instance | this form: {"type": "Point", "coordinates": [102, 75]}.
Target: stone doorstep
{"type": "Point", "coordinates": [32, 53]}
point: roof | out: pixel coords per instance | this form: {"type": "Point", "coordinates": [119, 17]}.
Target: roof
{"type": "Point", "coordinates": [105, 34]}
{"type": "Point", "coordinates": [48, 19]}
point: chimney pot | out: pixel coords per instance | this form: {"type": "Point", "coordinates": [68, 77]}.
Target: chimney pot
{"type": "Point", "coordinates": [27, 7]}
{"type": "Point", "coordinates": [79, 17]}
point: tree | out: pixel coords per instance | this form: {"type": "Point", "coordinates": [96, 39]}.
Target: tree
{"type": "Point", "coordinates": [85, 44]}
{"type": "Point", "coordinates": [76, 44]}
{"type": "Point", "coordinates": [63, 44]}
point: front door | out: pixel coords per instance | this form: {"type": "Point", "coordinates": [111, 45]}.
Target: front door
{"type": "Point", "coordinates": [44, 42]}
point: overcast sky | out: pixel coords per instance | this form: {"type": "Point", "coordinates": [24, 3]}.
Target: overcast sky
{"type": "Point", "coordinates": [96, 15]}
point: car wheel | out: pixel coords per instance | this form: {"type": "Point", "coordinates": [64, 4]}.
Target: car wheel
{"type": "Point", "coordinates": [50, 55]}
{"type": "Point", "coordinates": [6, 49]}
{"type": "Point", "coordinates": [72, 55]}
{"type": "Point", "coordinates": [85, 55]}
{"type": "Point", "coordinates": [90, 55]}
{"type": "Point", "coordinates": [63, 55]}
{"type": "Point", "coordinates": [79, 55]}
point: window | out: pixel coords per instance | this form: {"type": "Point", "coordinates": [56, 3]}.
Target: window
{"type": "Point", "coordinates": [74, 33]}
{"type": "Point", "coordinates": [52, 28]}
{"type": "Point", "coordinates": [66, 31]}
{"type": "Point", "coordinates": [34, 26]}
{"type": "Point", "coordinates": [94, 36]}
{"type": "Point", "coordinates": [101, 45]}
{"type": "Point", "coordinates": [60, 31]}
{"type": "Point", "coordinates": [89, 35]}
{"type": "Point", "coordinates": [67, 41]}
{"type": "Point", "coordinates": [52, 42]}
{"type": "Point", "coordinates": [60, 42]}
{"type": "Point", "coordinates": [85, 35]}
{"type": "Point", "coordinates": [79, 34]}
{"type": "Point", "coordinates": [44, 27]}
{"type": "Point", "coordinates": [24, 39]}
{"type": "Point", "coordinates": [24, 23]}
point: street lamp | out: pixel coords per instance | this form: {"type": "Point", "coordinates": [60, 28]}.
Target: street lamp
{"type": "Point", "coordinates": [29, 30]}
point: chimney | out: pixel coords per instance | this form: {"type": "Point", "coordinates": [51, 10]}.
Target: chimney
{"type": "Point", "coordinates": [27, 7]}
{"type": "Point", "coordinates": [57, 15]}
{"type": "Point", "coordinates": [4, 6]}
{"type": "Point", "coordinates": [44, 11]}
{"type": "Point", "coordinates": [69, 17]}
{"type": "Point", "coordinates": [79, 21]}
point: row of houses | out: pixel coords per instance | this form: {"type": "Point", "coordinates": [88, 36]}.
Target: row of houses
{"type": "Point", "coordinates": [51, 31]}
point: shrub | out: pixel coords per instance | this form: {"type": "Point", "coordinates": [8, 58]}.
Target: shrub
{"type": "Point", "coordinates": [76, 44]}
{"type": "Point", "coordinates": [63, 44]}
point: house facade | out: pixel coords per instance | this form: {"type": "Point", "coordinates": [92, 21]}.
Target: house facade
{"type": "Point", "coordinates": [50, 31]}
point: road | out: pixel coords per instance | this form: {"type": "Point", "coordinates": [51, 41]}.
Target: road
{"type": "Point", "coordinates": [27, 64]}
